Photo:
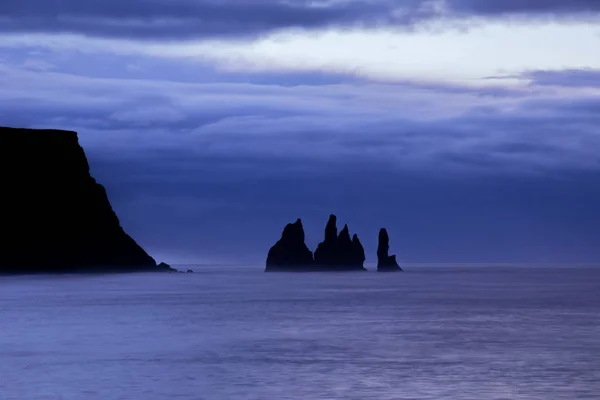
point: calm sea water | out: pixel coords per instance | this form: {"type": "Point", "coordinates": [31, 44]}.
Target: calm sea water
{"type": "Point", "coordinates": [237, 333]}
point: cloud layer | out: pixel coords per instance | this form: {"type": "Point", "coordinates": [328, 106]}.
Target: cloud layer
{"type": "Point", "coordinates": [167, 19]}
{"type": "Point", "coordinates": [402, 126]}
{"type": "Point", "coordinates": [184, 19]}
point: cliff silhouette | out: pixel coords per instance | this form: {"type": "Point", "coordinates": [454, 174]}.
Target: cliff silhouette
{"type": "Point", "coordinates": [55, 217]}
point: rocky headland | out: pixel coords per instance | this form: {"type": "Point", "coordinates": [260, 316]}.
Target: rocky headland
{"type": "Point", "coordinates": [55, 217]}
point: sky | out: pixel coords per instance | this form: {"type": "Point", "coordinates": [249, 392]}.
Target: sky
{"type": "Point", "coordinates": [470, 129]}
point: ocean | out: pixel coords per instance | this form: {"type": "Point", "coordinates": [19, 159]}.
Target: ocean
{"type": "Point", "coordinates": [432, 332]}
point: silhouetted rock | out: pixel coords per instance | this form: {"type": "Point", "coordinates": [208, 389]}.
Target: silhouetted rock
{"type": "Point", "coordinates": [165, 266]}
{"type": "Point", "coordinates": [335, 253]}
{"type": "Point", "coordinates": [190, 271]}
{"type": "Point", "coordinates": [290, 252]}
{"type": "Point", "coordinates": [359, 250]}
{"type": "Point", "coordinates": [339, 252]}
{"type": "Point", "coordinates": [54, 217]}
{"type": "Point", "coordinates": [385, 262]}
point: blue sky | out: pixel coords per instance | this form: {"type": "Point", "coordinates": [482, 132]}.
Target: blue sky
{"type": "Point", "coordinates": [470, 129]}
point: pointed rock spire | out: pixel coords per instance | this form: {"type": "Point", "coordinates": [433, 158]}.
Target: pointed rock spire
{"type": "Point", "coordinates": [290, 252]}
{"type": "Point", "coordinates": [358, 249]}
{"type": "Point", "coordinates": [339, 252]}
{"type": "Point", "coordinates": [344, 236]}
{"type": "Point", "coordinates": [331, 228]}
{"type": "Point", "coordinates": [385, 262]}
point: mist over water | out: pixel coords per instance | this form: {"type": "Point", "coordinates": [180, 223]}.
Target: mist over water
{"type": "Point", "coordinates": [468, 332]}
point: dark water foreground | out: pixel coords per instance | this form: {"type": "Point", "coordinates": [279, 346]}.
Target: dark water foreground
{"type": "Point", "coordinates": [237, 333]}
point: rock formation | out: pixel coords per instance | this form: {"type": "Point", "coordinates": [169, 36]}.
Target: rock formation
{"type": "Point", "coordinates": [339, 252]}
{"type": "Point", "coordinates": [335, 253]}
{"type": "Point", "coordinates": [359, 250]}
{"type": "Point", "coordinates": [164, 265]}
{"type": "Point", "coordinates": [290, 252]}
{"type": "Point", "coordinates": [385, 262]}
{"type": "Point", "coordinates": [54, 216]}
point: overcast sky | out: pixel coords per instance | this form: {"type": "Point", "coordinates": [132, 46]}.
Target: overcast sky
{"type": "Point", "coordinates": [469, 128]}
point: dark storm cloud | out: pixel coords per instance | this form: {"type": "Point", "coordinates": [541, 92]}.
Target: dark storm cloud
{"type": "Point", "coordinates": [181, 19]}
{"type": "Point", "coordinates": [185, 18]}
{"type": "Point", "coordinates": [532, 7]}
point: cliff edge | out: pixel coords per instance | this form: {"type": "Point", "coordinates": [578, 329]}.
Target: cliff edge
{"type": "Point", "coordinates": [55, 217]}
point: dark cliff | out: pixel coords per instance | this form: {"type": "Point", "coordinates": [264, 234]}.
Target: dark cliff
{"type": "Point", "coordinates": [54, 216]}
{"type": "Point", "coordinates": [290, 252]}
{"type": "Point", "coordinates": [385, 262]}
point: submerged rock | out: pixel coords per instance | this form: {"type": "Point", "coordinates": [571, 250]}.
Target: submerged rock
{"type": "Point", "coordinates": [290, 253]}
{"type": "Point", "coordinates": [55, 217]}
{"type": "Point", "coordinates": [385, 262]}
{"type": "Point", "coordinates": [339, 252]}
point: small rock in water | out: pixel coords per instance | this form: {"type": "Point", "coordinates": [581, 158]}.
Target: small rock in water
{"type": "Point", "coordinates": [189, 271]}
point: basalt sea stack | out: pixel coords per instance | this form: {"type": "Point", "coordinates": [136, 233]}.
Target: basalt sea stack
{"type": "Point", "coordinates": [290, 252]}
{"type": "Point", "coordinates": [385, 262]}
{"type": "Point", "coordinates": [54, 216]}
{"type": "Point", "coordinates": [335, 253]}
{"type": "Point", "coordinates": [339, 252]}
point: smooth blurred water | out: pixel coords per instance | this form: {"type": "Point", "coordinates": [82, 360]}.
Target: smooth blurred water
{"type": "Point", "coordinates": [237, 333]}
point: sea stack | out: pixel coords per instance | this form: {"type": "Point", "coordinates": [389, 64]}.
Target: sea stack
{"type": "Point", "coordinates": [385, 262]}
{"type": "Point", "coordinates": [290, 253]}
{"type": "Point", "coordinates": [335, 253]}
{"type": "Point", "coordinates": [55, 217]}
{"type": "Point", "coordinates": [339, 252]}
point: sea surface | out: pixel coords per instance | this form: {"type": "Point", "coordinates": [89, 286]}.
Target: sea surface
{"type": "Point", "coordinates": [433, 332]}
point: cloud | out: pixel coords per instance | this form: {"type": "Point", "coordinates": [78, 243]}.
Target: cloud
{"type": "Point", "coordinates": [38, 64]}
{"type": "Point", "coordinates": [580, 78]}
{"type": "Point", "coordinates": [170, 19]}
{"type": "Point", "coordinates": [529, 7]}
{"type": "Point", "coordinates": [448, 56]}
{"type": "Point", "coordinates": [185, 19]}
{"type": "Point", "coordinates": [398, 127]}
